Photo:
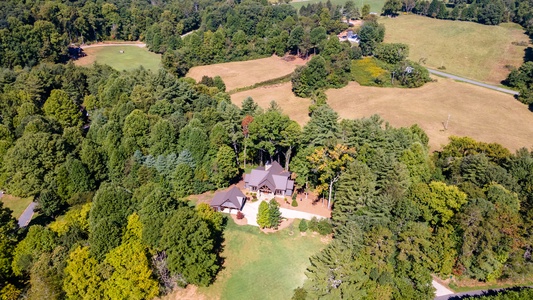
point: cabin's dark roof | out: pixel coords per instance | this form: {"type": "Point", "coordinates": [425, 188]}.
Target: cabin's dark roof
{"type": "Point", "coordinates": [233, 197]}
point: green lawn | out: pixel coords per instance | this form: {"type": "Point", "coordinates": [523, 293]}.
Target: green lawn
{"type": "Point", "coordinates": [262, 266]}
{"type": "Point", "coordinates": [16, 204]}
{"type": "Point", "coordinates": [467, 49]}
{"type": "Point", "coordinates": [132, 58]}
{"type": "Point", "coordinates": [375, 5]}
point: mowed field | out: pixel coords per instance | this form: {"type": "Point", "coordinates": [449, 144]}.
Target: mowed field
{"type": "Point", "coordinates": [375, 5]}
{"type": "Point", "coordinates": [467, 49]}
{"type": "Point", "coordinates": [246, 73]}
{"type": "Point", "coordinates": [132, 58]}
{"type": "Point", "coordinates": [259, 266]}
{"type": "Point", "coordinates": [482, 114]}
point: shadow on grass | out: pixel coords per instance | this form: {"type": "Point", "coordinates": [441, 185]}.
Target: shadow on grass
{"type": "Point", "coordinates": [528, 54]}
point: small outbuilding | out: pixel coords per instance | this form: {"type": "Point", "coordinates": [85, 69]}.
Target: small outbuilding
{"type": "Point", "coordinates": [231, 198]}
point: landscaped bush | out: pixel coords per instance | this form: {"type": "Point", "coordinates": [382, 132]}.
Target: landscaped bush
{"type": "Point", "coordinates": [303, 225]}
{"type": "Point", "coordinates": [294, 203]}
{"type": "Point", "coordinates": [324, 227]}
{"type": "Point", "coordinates": [313, 224]}
{"type": "Point", "coordinates": [240, 215]}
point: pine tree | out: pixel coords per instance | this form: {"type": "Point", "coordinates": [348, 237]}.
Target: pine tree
{"type": "Point", "coordinates": [274, 214]}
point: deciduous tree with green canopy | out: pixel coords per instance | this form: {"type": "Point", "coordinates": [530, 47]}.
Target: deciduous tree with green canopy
{"type": "Point", "coordinates": [329, 164]}
{"type": "Point", "coordinates": [188, 243]}
{"type": "Point", "coordinates": [61, 108]}
{"type": "Point", "coordinates": [32, 159]}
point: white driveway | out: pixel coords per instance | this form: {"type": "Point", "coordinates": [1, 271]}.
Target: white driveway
{"type": "Point", "coordinates": [441, 290]}
{"type": "Point", "coordinates": [251, 209]}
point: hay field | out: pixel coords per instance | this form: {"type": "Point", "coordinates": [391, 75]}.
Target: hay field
{"type": "Point", "coordinates": [132, 58]}
{"type": "Point", "coordinates": [295, 107]}
{"type": "Point", "coordinates": [468, 49]}
{"type": "Point", "coordinates": [482, 114]}
{"type": "Point", "coordinates": [246, 73]}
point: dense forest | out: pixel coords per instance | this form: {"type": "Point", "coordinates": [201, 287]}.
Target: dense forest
{"type": "Point", "coordinates": [108, 180]}
{"type": "Point", "coordinates": [110, 158]}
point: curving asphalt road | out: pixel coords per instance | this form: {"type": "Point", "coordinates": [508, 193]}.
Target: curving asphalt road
{"type": "Point", "coordinates": [481, 84]}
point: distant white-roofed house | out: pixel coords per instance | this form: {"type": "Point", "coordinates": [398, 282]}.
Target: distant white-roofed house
{"type": "Point", "coordinates": [231, 198]}
{"type": "Point", "coordinates": [271, 179]}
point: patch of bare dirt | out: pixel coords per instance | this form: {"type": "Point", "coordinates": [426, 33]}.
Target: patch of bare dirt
{"type": "Point", "coordinates": [241, 222]}
{"type": "Point", "coordinates": [188, 293]}
{"type": "Point", "coordinates": [310, 204]}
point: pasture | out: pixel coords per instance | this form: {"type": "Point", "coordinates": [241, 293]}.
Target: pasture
{"type": "Point", "coordinates": [132, 58]}
{"type": "Point", "coordinates": [16, 204]}
{"type": "Point", "coordinates": [467, 49]}
{"type": "Point", "coordinates": [375, 5]}
{"type": "Point", "coordinates": [246, 73]}
{"type": "Point", "coordinates": [485, 115]}
{"type": "Point", "coordinates": [259, 266]}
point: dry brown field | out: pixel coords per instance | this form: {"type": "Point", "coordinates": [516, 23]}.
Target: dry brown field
{"type": "Point", "coordinates": [297, 108]}
{"type": "Point", "coordinates": [246, 73]}
{"type": "Point", "coordinates": [482, 114]}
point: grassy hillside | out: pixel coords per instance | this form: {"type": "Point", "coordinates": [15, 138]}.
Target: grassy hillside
{"type": "Point", "coordinates": [132, 58]}
{"type": "Point", "coordinates": [467, 49]}
{"type": "Point", "coordinates": [375, 5]}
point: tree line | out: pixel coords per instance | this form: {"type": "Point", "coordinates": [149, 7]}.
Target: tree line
{"type": "Point", "coordinates": [491, 12]}
{"type": "Point", "coordinates": [35, 31]}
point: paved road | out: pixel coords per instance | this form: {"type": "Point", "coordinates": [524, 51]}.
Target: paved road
{"type": "Point", "coordinates": [26, 216]}
{"type": "Point", "coordinates": [488, 86]}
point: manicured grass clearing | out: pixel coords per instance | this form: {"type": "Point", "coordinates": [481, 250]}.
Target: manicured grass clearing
{"type": "Point", "coordinates": [375, 5]}
{"type": "Point", "coordinates": [246, 73]}
{"type": "Point", "coordinates": [16, 204]}
{"type": "Point", "coordinates": [466, 49]}
{"type": "Point", "coordinates": [132, 58]}
{"type": "Point", "coordinates": [366, 70]}
{"type": "Point", "coordinates": [262, 266]}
